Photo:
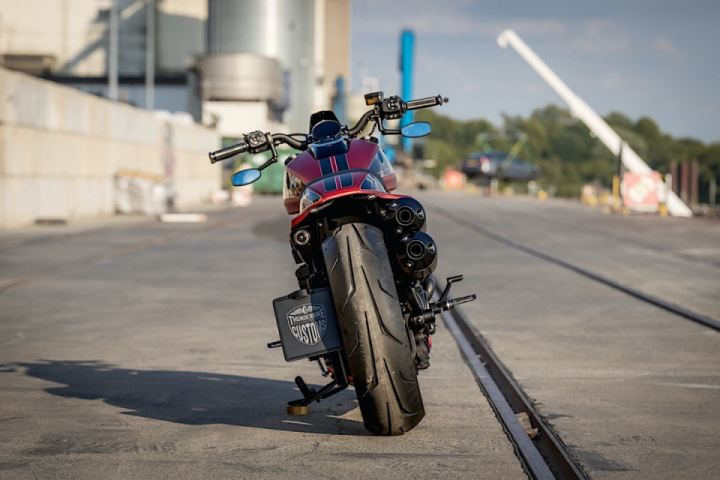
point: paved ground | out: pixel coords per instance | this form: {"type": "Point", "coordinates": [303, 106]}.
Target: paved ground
{"type": "Point", "coordinates": [633, 390]}
{"type": "Point", "coordinates": [151, 363]}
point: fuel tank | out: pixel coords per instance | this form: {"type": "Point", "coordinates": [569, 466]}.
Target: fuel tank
{"type": "Point", "coordinates": [361, 155]}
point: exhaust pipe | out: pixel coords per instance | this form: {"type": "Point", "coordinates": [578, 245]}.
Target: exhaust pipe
{"type": "Point", "coordinates": [406, 215]}
{"type": "Point", "coordinates": [417, 255]}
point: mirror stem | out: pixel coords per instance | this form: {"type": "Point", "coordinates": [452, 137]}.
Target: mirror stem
{"type": "Point", "coordinates": [385, 131]}
{"type": "Point", "coordinates": [273, 157]}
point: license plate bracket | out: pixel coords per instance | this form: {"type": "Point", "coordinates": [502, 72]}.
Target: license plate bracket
{"type": "Point", "coordinates": [307, 324]}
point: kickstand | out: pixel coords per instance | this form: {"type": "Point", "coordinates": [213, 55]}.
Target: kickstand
{"type": "Point", "coordinates": [302, 406]}
{"type": "Point", "coordinates": [339, 383]}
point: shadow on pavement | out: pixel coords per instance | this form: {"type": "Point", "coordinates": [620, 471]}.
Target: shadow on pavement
{"type": "Point", "coordinates": [196, 398]}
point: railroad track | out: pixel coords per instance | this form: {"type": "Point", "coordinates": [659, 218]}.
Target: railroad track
{"type": "Point", "coordinates": [541, 452]}
{"type": "Point", "coordinates": [658, 302]}
{"type": "Point", "coordinates": [612, 236]}
{"type": "Point", "coordinates": [544, 456]}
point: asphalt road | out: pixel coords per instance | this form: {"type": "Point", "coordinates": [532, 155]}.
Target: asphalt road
{"type": "Point", "coordinates": [633, 390]}
{"type": "Point", "coordinates": [124, 357]}
{"type": "Point", "coordinates": [121, 358]}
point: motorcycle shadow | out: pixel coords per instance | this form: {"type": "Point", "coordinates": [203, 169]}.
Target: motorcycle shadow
{"type": "Point", "coordinates": [196, 398]}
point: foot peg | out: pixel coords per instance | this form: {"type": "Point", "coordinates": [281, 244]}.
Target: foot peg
{"type": "Point", "coordinates": [443, 304]}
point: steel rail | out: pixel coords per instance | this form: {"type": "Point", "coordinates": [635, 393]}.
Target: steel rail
{"type": "Point", "coordinates": [543, 457]}
{"type": "Point", "coordinates": [658, 302]}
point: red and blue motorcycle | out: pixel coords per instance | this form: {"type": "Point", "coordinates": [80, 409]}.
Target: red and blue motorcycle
{"type": "Point", "coordinates": [364, 309]}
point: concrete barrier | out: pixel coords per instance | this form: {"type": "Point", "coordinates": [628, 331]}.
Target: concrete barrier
{"type": "Point", "coordinates": [60, 150]}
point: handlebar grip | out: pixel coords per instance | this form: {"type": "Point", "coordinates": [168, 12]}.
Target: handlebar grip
{"type": "Point", "coordinates": [426, 102]}
{"type": "Point", "coordinates": [227, 152]}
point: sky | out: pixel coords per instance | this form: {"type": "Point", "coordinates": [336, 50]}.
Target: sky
{"type": "Point", "coordinates": [659, 58]}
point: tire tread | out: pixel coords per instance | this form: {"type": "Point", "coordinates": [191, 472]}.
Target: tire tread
{"type": "Point", "coordinates": [373, 328]}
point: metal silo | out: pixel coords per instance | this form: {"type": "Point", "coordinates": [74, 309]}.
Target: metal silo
{"type": "Point", "coordinates": [236, 67]}
{"type": "Point", "coordinates": [251, 44]}
{"type": "Point", "coordinates": [296, 55]}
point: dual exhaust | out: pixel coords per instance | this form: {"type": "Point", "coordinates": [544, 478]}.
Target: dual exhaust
{"type": "Point", "coordinates": [415, 251]}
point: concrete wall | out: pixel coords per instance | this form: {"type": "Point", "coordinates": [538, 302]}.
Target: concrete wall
{"type": "Point", "coordinates": [61, 148]}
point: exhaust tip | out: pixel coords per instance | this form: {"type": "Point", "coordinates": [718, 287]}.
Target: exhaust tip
{"type": "Point", "coordinates": [405, 216]}
{"type": "Point", "coordinates": [416, 250]}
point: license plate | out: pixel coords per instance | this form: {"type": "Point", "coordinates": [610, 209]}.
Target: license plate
{"type": "Point", "coordinates": [307, 324]}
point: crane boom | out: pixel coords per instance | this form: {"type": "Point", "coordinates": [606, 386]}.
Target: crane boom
{"type": "Point", "coordinates": [587, 115]}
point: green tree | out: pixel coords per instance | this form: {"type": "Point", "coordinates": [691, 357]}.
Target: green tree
{"type": "Point", "coordinates": [563, 147]}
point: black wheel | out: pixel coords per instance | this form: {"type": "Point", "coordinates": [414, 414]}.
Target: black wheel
{"type": "Point", "coordinates": [376, 339]}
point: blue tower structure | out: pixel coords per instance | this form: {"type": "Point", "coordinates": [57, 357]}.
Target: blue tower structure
{"type": "Point", "coordinates": [407, 47]}
{"type": "Point", "coordinates": [339, 102]}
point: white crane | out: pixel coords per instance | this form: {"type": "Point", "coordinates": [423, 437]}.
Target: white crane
{"type": "Point", "coordinates": [594, 122]}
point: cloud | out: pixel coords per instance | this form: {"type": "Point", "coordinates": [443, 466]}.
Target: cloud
{"type": "Point", "coordinates": [600, 36]}
{"type": "Point", "coordinates": [453, 21]}
{"type": "Point", "coordinates": [447, 22]}
{"type": "Point", "coordinates": [667, 49]}
{"type": "Point", "coordinates": [612, 80]}
{"type": "Point", "coordinates": [707, 110]}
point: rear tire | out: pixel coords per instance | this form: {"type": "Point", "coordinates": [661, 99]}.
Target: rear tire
{"type": "Point", "coordinates": [376, 338]}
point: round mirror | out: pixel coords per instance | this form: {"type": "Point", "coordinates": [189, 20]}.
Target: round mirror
{"type": "Point", "coordinates": [326, 129]}
{"type": "Point", "coordinates": [245, 177]}
{"type": "Point", "coordinates": [415, 130]}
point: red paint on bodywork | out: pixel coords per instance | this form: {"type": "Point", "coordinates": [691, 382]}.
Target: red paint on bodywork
{"type": "Point", "coordinates": [299, 219]}
{"type": "Point", "coordinates": [306, 168]}
{"type": "Point", "coordinates": [292, 205]}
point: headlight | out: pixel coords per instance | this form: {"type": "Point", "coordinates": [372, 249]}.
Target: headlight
{"type": "Point", "coordinates": [308, 198]}
{"type": "Point", "coordinates": [372, 183]}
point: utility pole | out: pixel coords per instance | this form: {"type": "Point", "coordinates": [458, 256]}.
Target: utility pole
{"type": "Point", "coordinates": [674, 172]}
{"type": "Point", "coordinates": [113, 53]}
{"type": "Point", "coordinates": [150, 56]}
{"type": "Point", "coordinates": [617, 179]}
{"type": "Point", "coordinates": [694, 182]}
{"type": "Point", "coordinates": [684, 180]}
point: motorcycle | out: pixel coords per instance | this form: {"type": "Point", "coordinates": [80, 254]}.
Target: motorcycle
{"type": "Point", "coordinates": [364, 309]}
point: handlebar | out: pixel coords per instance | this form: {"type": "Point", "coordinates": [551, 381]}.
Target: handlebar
{"type": "Point", "coordinates": [227, 152]}
{"type": "Point", "coordinates": [426, 102]}
{"type": "Point", "coordinates": [390, 108]}
{"type": "Point", "coordinates": [289, 141]}
{"type": "Point", "coordinates": [362, 123]}
{"type": "Point", "coordinates": [393, 108]}
{"type": "Point", "coordinates": [256, 142]}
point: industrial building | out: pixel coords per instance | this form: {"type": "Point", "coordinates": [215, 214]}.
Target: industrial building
{"type": "Point", "coordinates": [206, 71]}
{"type": "Point", "coordinates": [237, 64]}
